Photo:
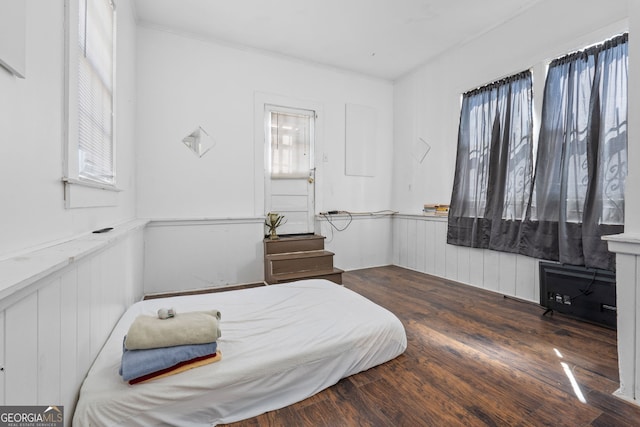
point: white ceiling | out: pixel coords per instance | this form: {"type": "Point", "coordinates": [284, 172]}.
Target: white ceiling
{"type": "Point", "coordinates": [380, 38]}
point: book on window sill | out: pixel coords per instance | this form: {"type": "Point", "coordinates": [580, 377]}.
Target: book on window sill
{"type": "Point", "coordinates": [435, 210]}
{"type": "Point", "coordinates": [436, 214]}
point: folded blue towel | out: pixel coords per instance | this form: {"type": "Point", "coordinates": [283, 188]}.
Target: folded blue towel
{"type": "Point", "coordinates": [136, 363]}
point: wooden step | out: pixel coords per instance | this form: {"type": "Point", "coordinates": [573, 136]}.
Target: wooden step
{"type": "Point", "coordinates": [292, 262]}
{"type": "Point", "coordinates": [291, 258]}
{"type": "Point", "coordinates": [334, 274]}
{"type": "Point", "coordinates": [284, 244]}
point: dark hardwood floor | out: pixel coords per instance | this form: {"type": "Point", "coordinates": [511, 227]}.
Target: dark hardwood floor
{"type": "Point", "coordinates": [474, 358]}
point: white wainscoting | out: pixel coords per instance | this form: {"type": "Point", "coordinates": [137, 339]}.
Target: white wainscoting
{"type": "Point", "coordinates": [188, 254]}
{"type": "Point", "coordinates": [58, 306]}
{"type": "Point", "coordinates": [627, 249]}
{"type": "Point", "coordinates": [420, 243]}
{"type": "Point", "coordinates": [365, 242]}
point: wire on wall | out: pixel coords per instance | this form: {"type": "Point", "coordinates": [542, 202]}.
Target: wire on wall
{"type": "Point", "coordinates": [329, 217]}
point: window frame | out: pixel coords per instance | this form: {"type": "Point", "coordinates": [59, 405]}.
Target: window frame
{"type": "Point", "coordinates": [79, 191]}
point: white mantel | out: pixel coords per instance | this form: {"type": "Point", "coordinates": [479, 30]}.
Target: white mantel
{"type": "Point", "coordinates": [627, 249]}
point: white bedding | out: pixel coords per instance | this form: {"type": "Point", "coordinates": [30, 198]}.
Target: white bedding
{"type": "Point", "coordinates": [280, 344]}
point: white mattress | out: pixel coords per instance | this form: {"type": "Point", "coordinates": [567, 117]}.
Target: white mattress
{"type": "Point", "coordinates": [280, 344]}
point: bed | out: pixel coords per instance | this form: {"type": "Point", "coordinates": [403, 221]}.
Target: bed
{"type": "Point", "coordinates": [280, 344]}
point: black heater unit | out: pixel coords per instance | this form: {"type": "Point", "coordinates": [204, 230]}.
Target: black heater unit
{"type": "Point", "coordinates": [584, 293]}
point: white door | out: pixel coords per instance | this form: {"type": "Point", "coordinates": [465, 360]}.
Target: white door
{"type": "Point", "coordinates": [290, 174]}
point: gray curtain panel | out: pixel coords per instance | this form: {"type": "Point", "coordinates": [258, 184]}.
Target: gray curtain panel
{"type": "Point", "coordinates": [494, 165]}
{"type": "Point", "coordinates": [578, 190]}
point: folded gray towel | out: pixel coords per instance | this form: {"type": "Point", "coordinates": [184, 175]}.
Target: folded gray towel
{"type": "Point", "coordinates": [196, 327]}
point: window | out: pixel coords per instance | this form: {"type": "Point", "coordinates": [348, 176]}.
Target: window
{"type": "Point", "coordinates": [90, 145]}
{"type": "Point", "coordinates": [95, 91]}
{"type": "Point", "coordinates": [576, 195]}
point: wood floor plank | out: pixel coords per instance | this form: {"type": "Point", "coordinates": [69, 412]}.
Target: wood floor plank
{"type": "Point", "coordinates": [474, 358]}
{"type": "Point", "coordinates": [504, 393]}
{"type": "Point", "coordinates": [323, 414]}
{"type": "Point", "coordinates": [355, 405]}
{"type": "Point", "coordinates": [428, 405]}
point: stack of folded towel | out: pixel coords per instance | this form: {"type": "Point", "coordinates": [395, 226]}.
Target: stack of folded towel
{"type": "Point", "coordinates": [156, 347]}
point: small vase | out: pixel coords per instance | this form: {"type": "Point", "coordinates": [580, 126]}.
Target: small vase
{"type": "Point", "coordinates": [273, 235]}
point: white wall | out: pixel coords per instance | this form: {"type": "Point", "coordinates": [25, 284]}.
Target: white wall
{"type": "Point", "coordinates": [198, 254]}
{"type": "Point", "coordinates": [427, 101]}
{"type": "Point", "coordinates": [65, 301]}
{"type": "Point", "coordinates": [420, 244]}
{"type": "Point", "coordinates": [364, 240]}
{"type": "Point", "coordinates": [632, 195]}
{"type": "Point", "coordinates": [184, 82]}
{"type": "Point", "coordinates": [31, 121]}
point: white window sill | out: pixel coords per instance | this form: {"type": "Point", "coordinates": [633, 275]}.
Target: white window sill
{"type": "Point", "coordinates": [84, 194]}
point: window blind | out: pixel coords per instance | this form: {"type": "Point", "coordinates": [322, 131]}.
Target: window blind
{"type": "Point", "coordinates": [95, 91]}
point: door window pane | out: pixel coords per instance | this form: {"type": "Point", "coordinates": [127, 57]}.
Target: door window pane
{"type": "Point", "coordinates": [290, 144]}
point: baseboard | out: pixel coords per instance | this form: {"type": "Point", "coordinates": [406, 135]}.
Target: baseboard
{"type": "Point", "coordinates": [202, 291]}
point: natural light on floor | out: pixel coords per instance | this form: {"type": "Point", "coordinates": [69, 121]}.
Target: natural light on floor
{"type": "Point", "coordinates": [572, 378]}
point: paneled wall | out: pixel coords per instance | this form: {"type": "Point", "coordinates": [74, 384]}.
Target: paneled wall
{"type": "Point", "coordinates": [183, 254]}
{"type": "Point", "coordinates": [60, 312]}
{"type": "Point", "coordinates": [187, 254]}
{"type": "Point", "coordinates": [627, 245]}
{"type": "Point", "coordinates": [627, 249]}
{"type": "Point", "coordinates": [359, 241]}
{"type": "Point", "coordinates": [419, 243]}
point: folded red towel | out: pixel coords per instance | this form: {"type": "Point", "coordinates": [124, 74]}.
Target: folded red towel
{"type": "Point", "coordinates": [180, 367]}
